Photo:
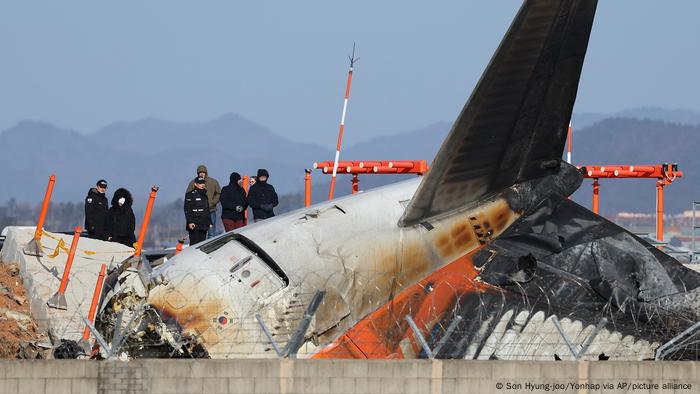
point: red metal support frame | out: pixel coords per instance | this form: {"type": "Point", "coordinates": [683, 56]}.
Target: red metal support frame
{"type": "Point", "coordinates": [664, 174]}
{"type": "Point", "coordinates": [596, 191]}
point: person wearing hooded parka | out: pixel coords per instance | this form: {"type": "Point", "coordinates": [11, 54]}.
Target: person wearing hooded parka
{"type": "Point", "coordinates": [234, 203]}
{"type": "Point", "coordinates": [262, 197]}
{"type": "Point", "coordinates": [121, 222]}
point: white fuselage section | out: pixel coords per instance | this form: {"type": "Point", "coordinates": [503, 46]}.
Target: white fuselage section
{"type": "Point", "coordinates": [351, 247]}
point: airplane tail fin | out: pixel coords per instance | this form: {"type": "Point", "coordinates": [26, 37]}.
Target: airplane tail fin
{"type": "Point", "coordinates": [514, 126]}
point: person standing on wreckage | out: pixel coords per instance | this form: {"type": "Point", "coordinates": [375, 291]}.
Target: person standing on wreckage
{"type": "Point", "coordinates": [234, 203]}
{"type": "Point", "coordinates": [121, 222]}
{"type": "Point", "coordinates": [96, 208]}
{"type": "Point", "coordinates": [213, 194]}
{"type": "Point", "coordinates": [197, 217]}
{"type": "Point", "coordinates": [262, 197]}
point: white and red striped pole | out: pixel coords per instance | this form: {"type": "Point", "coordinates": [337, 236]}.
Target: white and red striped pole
{"type": "Point", "coordinates": [568, 145]}
{"type": "Point", "coordinates": [342, 123]}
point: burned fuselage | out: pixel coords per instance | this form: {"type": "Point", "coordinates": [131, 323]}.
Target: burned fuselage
{"type": "Point", "coordinates": [208, 296]}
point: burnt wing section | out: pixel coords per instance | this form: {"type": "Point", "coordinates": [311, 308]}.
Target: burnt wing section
{"type": "Point", "coordinates": [513, 128]}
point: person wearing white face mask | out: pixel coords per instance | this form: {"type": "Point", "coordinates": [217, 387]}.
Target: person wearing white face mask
{"type": "Point", "coordinates": [121, 221]}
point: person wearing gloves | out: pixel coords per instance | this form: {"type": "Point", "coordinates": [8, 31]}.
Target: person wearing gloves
{"type": "Point", "coordinates": [213, 193]}
{"type": "Point", "coordinates": [96, 207]}
{"type": "Point", "coordinates": [262, 197]}
{"type": "Point", "coordinates": [233, 203]}
{"type": "Point", "coordinates": [121, 221]}
{"type": "Point", "coordinates": [197, 218]}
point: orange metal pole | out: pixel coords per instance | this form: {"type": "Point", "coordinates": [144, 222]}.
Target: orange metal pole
{"type": "Point", "coordinates": [44, 208]}
{"type": "Point", "coordinates": [69, 262]}
{"type": "Point", "coordinates": [146, 218]}
{"type": "Point", "coordinates": [660, 210]}
{"type": "Point", "coordinates": [245, 180]}
{"type": "Point", "coordinates": [95, 300]}
{"type": "Point", "coordinates": [307, 188]}
{"type": "Point", "coordinates": [596, 191]}
{"type": "Point", "coordinates": [178, 248]}
{"type": "Point", "coordinates": [355, 184]}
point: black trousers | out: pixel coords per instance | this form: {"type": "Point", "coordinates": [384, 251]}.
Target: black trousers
{"type": "Point", "coordinates": [197, 236]}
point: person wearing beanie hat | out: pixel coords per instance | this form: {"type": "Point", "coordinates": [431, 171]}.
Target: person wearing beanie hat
{"type": "Point", "coordinates": [233, 203]}
{"type": "Point", "coordinates": [213, 194]}
{"type": "Point", "coordinates": [197, 217]}
{"type": "Point", "coordinates": [96, 207]}
{"type": "Point", "coordinates": [262, 197]}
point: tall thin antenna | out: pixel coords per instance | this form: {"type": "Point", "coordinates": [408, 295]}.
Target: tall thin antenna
{"type": "Point", "coordinates": [353, 60]}
{"type": "Point", "coordinates": [568, 144]}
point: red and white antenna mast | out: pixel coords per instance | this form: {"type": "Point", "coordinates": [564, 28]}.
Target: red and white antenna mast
{"type": "Point", "coordinates": [342, 121]}
{"type": "Point", "coordinates": [568, 144]}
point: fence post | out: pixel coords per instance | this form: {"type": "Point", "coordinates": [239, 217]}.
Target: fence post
{"type": "Point", "coordinates": [307, 188]}
{"type": "Point", "coordinates": [58, 300]}
{"type": "Point", "coordinates": [33, 248]}
{"type": "Point", "coordinates": [93, 305]}
{"type": "Point", "coordinates": [146, 218]}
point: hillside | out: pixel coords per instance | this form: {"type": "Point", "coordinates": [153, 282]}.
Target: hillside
{"type": "Point", "coordinates": [138, 154]}
{"type": "Point", "coordinates": [632, 141]}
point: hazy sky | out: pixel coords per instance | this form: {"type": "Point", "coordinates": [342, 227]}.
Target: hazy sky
{"type": "Point", "coordinates": [84, 64]}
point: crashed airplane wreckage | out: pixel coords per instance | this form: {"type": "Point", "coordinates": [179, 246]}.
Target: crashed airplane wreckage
{"type": "Point", "coordinates": [484, 257]}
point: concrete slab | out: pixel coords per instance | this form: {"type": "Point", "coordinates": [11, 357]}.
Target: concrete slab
{"type": "Point", "coordinates": [42, 276]}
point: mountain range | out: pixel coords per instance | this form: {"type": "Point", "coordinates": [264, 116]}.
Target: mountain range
{"type": "Point", "coordinates": [152, 151]}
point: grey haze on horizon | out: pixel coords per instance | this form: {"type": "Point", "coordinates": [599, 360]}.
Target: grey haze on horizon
{"type": "Point", "coordinates": [83, 65]}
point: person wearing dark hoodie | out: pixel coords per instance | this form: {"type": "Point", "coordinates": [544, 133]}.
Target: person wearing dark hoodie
{"type": "Point", "coordinates": [262, 197]}
{"type": "Point", "coordinates": [233, 203]}
{"type": "Point", "coordinates": [197, 218]}
{"type": "Point", "coordinates": [96, 207]}
{"type": "Point", "coordinates": [121, 222]}
{"type": "Point", "coordinates": [213, 194]}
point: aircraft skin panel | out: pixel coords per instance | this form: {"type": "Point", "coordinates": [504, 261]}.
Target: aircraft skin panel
{"type": "Point", "coordinates": [515, 122]}
{"type": "Point", "coordinates": [350, 248]}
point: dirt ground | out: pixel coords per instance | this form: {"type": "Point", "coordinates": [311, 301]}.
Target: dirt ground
{"type": "Point", "coordinates": [18, 332]}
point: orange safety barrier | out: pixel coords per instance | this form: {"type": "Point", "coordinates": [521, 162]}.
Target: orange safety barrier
{"type": "Point", "coordinates": [146, 219]}
{"type": "Point", "coordinates": [95, 299]}
{"type": "Point", "coordinates": [58, 300]}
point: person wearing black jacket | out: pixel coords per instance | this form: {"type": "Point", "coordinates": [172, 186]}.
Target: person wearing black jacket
{"type": "Point", "coordinates": [96, 207]}
{"type": "Point", "coordinates": [121, 221]}
{"type": "Point", "coordinates": [233, 203]}
{"type": "Point", "coordinates": [197, 218]}
{"type": "Point", "coordinates": [262, 197]}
